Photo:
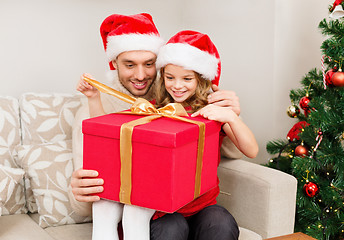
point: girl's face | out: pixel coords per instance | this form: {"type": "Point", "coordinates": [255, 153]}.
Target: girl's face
{"type": "Point", "coordinates": [179, 82]}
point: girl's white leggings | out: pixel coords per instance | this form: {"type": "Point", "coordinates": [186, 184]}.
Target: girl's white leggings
{"type": "Point", "coordinates": [107, 214]}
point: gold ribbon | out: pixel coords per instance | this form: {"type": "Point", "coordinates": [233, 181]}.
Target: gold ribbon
{"type": "Point", "coordinates": [106, 89]}
{"type": "Point", "coordinates": [143, 107]}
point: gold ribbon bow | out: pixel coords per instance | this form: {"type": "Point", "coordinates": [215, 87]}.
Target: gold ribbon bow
{"type": "Point", "coordinates": [141, 106]}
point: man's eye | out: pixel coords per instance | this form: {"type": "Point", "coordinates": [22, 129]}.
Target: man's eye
{"type": "Point", "coordinates": [150, 64]}
{"type": "Point", "coordinates": [129, 65]}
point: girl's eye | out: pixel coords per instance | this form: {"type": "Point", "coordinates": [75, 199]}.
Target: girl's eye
{"type": "Point", "coordinates": [187, 79]}
{"type": "Point", "coordinates": [168, 77]}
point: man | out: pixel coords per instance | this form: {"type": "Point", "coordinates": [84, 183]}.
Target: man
{"type": "Point", "coordinates": [131, 44]}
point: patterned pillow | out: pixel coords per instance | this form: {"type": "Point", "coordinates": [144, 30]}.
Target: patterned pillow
{"type": "Point", "coordinates": [12, 199]}
{"type": "Point", "coordinates": [47, 117]}
{"type": "Point", "coordinates": [9, 130]}
{"type": "Point", "coordinates": [49, 168]}
{"type": "Point", "coordinates": [31, 204]}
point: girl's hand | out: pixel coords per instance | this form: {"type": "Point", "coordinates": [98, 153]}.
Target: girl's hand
{"type": "Point", "coordinates": [216, 113]}
{"type": "Point", "coordinates": [233, 126]}
{"type": "Point", "coordinates": [85, 88]}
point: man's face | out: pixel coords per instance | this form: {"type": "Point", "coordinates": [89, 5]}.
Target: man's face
{"type": "Point", "coordinates": [136, 71]}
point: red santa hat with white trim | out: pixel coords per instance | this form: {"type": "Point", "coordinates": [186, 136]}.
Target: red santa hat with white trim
{"type": "Point", "coordinates": [122, 33]}
{"type": "Point", "coordinates": [193, 51]}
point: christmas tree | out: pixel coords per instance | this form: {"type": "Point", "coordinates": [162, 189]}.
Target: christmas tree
{"type": "Point", "coordinates": [313, 150]}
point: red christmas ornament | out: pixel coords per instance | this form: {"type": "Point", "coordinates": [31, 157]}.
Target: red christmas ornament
{"type": "Point", "coordinates": [301, 150]}
{"type": "Point", "coordinates": [328, 77]}
{"type": "Point", "coordinates": [338, 79]}
{"type": "Point", "coordinates": [311, 189]}
{"type": "Point", "coordinates": [304, 103]}
{"type": "Point", "coordinates": [295, 130]}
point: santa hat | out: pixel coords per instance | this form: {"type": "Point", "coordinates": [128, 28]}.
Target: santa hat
{"type": "Point", "coordinates": [122, 33]}
{"type": "Point", "coordinates": [335, 4]}
{"type": "Point", "coordinates": [193, 51]}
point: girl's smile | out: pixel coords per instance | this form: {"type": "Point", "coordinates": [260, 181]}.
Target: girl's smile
{"type": "Point", "coordinates": [180, 83]}
{"type": "Point", "coordinates": [179, 93]}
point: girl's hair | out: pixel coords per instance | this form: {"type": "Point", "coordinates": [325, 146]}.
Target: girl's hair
{"type": "Point", "coordinates": [196, 101]}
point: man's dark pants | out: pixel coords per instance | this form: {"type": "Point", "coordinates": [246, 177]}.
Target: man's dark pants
{"type": "Point", "coordinates": [211, 223]}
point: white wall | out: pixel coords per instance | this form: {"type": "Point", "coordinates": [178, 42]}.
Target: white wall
{"type": "Point", "coordinates": [47, 45]}
{"type": "Point", "coordinates": [296, 52]}
{"type": "Point", "coordinates": [266, 46]}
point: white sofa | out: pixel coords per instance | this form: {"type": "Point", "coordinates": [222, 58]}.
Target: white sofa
{"type": "Point", "coordinates": [36, 165]}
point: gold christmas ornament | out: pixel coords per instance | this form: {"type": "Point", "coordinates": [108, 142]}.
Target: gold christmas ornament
{"type": "Point", "coordinates": [293, 111]}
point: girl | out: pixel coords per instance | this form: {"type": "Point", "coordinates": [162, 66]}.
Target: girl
{"type": "Point", "coordinates": [189, 64]}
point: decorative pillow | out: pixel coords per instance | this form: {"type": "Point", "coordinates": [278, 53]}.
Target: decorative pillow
{"type": "Point", "coordinates": [9, 130]}
{"type": "Point", "coordinates": [12, 198]}
{"type": "Point", "coordinates": [31, 204]}
{"type": "Point", "coordinates": [47, 117]}
{"type": "Point", "coordinates": [49, 168]}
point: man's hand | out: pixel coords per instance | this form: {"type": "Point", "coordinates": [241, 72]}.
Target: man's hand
{"type": "Point", "coordinates": [84, 183]}
{"type": "Point", "coordinates": [85, 88]}
{"type": "Point", "coordinates": [224, 98]}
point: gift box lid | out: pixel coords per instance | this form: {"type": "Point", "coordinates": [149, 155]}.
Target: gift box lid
{"type": "Point", "coordinates": [164, 131]}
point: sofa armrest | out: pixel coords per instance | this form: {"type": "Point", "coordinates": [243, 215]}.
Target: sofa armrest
{"type": "Point", "coordinates": [261, 199]}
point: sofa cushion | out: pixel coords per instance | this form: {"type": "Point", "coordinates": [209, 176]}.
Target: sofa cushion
{"type": "Point", "coordinates": [13, 227]}
{"type": "Point", "coordinates": [246, 234]}
{"type": "Point", "coordinates": [47, 117]}
{"type": "Point", "coordinates": [71, 232]}
{"type": "Point", "coordinates": [49, 168]}
{"type": "Point", "coordinates": [9, 130]}
{"type": "Point", "coordinates": [12, 198]}
{"type": "Point", "coordinates": [84, 232]}
{"type": "Point", "coordinates": [68, 232]}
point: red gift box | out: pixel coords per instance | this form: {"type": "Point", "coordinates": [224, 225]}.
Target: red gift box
{"type": "Point", "coordinates": [164, 156]}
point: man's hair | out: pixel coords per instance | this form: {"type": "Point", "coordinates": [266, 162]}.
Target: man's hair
{"type": "Point", "coordinates": [196, 101]}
